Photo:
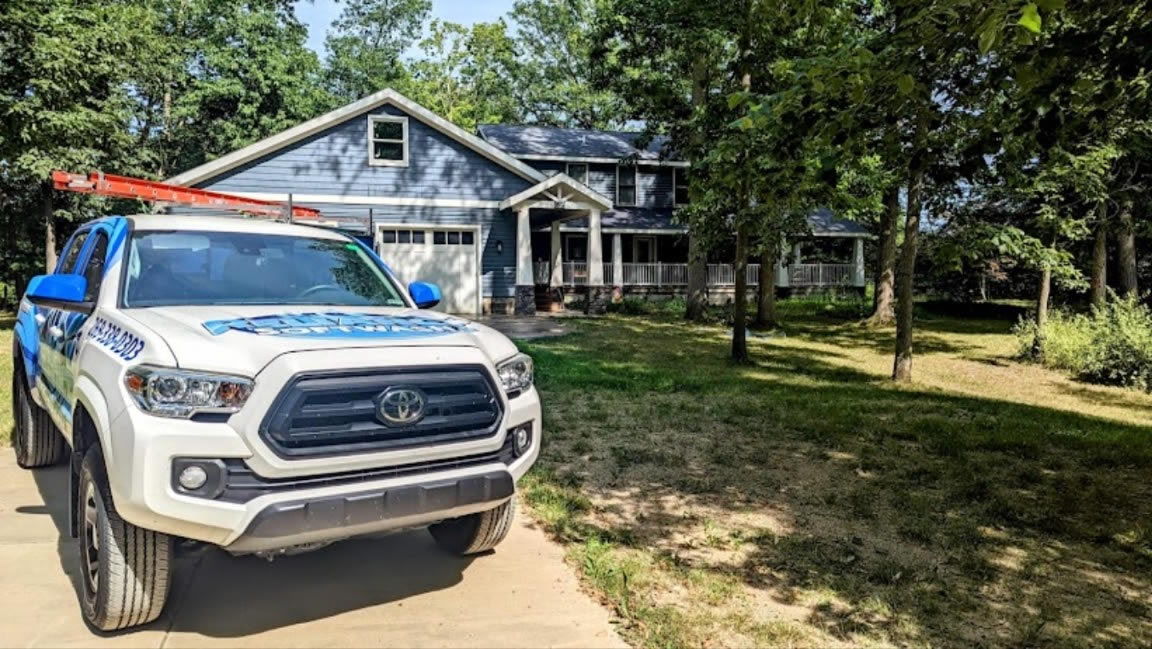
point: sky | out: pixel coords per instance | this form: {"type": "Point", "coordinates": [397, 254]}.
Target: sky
{"type": "Point", "coordinates": [318, 14]}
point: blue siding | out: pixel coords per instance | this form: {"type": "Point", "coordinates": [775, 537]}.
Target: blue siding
{"type": "Point", "coordinates": [335, 161]}
{"type": "Point", "coordinates": [654, 184]}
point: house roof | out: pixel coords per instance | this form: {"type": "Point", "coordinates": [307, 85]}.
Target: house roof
{"type": "Point", "coordinates": [822, 222]}
{"type": "Point", "coordinates": [558, 183]}
{"type": "Point", "coordinates": [573, 144]}
{"type": "Point", "coordinates": [355, 109]}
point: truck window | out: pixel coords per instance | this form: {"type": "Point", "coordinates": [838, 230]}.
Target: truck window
{"type": "Point", "coordinates": [72, 252]}
{"type": "Point", "coordinates": [94, 269]}
{"type": "Point", "coordinates": [202, 268]}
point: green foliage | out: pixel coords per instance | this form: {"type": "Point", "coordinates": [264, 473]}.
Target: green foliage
{"type": "Point", "coordinates": [1111, 345]}
{"type": "Point", "coordinates": [366, 43]}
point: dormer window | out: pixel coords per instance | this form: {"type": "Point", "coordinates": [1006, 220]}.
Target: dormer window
{"type": "Point", "coordinates": [387, 141]}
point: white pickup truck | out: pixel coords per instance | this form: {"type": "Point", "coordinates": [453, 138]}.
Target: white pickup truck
{"type": "Point", "coordinates": [260, 386]}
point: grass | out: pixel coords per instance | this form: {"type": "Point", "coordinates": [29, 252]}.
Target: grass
{"type": "Point", "coordinates": [804, 500]}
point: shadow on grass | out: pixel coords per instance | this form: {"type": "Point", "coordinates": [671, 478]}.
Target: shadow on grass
{"type": "Point", "coordinates": [892, 514]}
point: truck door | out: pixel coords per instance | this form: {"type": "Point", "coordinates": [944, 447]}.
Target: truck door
{"type": "Point", "coordinates": [60, 334]}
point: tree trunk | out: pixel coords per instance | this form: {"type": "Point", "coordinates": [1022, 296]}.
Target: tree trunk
{"type": "Point", "coordinates": [48, 214]}
{"type": "Point", "coordinates": [697, 298]}
{"type": "Point", "coordinates": [1045, 290]}
{"type": "Point", "coordinates": [1100, 257]}
{"type": "Point", "coordinates": [906, 271]}
{"type": "Point", "coordinates": [1126, 249]}
{"type": "Point", "coordinates": [740, 299]}
{"type": "Point", "coordinates": [882, 311]}
{"type": "Point", "coordinates": [766, 291]}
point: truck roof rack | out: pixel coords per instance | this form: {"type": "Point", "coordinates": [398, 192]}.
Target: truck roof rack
{"type": "Point", "coordinates": [104, 184]}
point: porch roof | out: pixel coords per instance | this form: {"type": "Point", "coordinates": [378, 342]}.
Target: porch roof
{"type": "Point", "coordinates": [647, 220]}
{"type": "Point", "coordinates": [561, 191]}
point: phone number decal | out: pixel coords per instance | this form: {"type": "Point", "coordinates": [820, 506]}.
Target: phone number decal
{"type": "Point", "coordinates": [119, 341]}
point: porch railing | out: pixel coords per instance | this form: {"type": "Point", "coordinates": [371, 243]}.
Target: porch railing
{"type": "Point", "coordinates": [820, 274]}
{"type": "Point", "coordinates": [673, 275]}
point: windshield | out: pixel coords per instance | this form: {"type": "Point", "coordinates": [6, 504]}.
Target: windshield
{"type": "Point", "coordinates": [191, 268]}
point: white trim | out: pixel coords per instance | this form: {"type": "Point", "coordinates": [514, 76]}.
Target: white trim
{"type": "Point", "coordinates": [401, 201]}
{"type": "Point", "coordinates": [344, 113]}
{"type": "Point", "coordinates": [587, 172]}
{"type": "Point", "coordinates": [477, 241]}
{"type": "Point", "coordinates": [573, 229]}
{"type": "Point", "coordinates": [635, 186]}
{"type": "Point", "coordinates": [585, 191]}
{"type": "Point", "coordinates": [397, 119]}
{"type": "Point", "coordinates": [596, 160]}
{"type": "Point", "coordinates": [651, 239]}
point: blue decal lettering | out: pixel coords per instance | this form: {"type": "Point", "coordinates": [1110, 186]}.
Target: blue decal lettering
{"type": "Point", "coordinates": [120, 342]}
{"type": "Point", "coordinates": [338, 325]}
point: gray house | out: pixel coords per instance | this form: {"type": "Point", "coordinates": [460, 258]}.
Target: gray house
{"type": "Point", "coordinates": [509, 218]}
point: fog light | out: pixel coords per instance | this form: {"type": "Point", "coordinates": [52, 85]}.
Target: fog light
{"type": "Point", "coordinates": [193, 477]}
{"type": "Point", "coordinates": [522, 439]}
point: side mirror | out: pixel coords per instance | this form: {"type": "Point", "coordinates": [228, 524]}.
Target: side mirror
{"type": "Point", "coordinates": [62, 291]}
{"type": "Point", "coordinates": [425, 294]}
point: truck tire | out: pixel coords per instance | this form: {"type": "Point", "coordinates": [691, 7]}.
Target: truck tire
{"type": "Point", "coordinates": [124, 569]}
{"type": "Point", "coordinates": [475, 533]}
{"type": "Point", "coordinates": [35, 439]}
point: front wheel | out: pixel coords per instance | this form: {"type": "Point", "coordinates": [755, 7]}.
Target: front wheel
{"type": "Point", "coordinates": [475, 533]}
{"type": "Point", "coordinates": [124, 568]}
{"type": "Point", "coordinates": [35, 439]}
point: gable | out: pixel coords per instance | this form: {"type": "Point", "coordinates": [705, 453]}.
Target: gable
{"type": "Point", "coordinates": [329, 155]}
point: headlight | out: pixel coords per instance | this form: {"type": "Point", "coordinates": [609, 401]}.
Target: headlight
{"type": "Point", "coordinates": [177, 393]}
{"type": "Point", "coordinates": [516, 373]}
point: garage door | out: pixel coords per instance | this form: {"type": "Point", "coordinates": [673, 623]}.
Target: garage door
{"type": "Point", "coordinates": [447, 257]}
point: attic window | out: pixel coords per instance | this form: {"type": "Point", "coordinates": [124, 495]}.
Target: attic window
{"type": "Point", "coordinates": [387, 141]}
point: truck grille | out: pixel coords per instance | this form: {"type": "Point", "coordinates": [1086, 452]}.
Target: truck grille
{"type": "Point", "coordinates": [333, 413]}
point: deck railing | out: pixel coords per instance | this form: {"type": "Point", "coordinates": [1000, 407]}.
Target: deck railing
{"type": "Point", "coordinates": [673, 275]}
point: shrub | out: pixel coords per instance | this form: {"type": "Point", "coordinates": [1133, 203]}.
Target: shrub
{"type": "Point", "coordinates": [1111, 345]}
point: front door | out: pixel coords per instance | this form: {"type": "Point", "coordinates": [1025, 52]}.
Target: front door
{"type": "Point", "coordinates": [644, 250]}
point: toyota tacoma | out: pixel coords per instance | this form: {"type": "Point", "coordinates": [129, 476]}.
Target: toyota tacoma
{"type": "Point", "coordinates": [260, 386]}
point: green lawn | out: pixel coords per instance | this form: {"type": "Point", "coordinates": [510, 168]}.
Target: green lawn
{"type": "Point", "coordinates": [806, 501]}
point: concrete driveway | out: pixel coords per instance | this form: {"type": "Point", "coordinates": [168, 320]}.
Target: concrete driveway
{"type": "Point", "coordinates": [396, 590]}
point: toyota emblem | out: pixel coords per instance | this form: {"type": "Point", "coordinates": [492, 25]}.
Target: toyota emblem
{"type": "Point", "coordinates": [402, 406]}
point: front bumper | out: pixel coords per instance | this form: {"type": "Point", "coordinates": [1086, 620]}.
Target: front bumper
{"type": "Point", "coordinates": [296, 522]}
{"type": "Point", "coordinates": [368, 492]}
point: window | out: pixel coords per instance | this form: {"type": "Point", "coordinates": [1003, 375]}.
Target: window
{"type": "Point", "coordinates": [578, 171]}
{"type": "Point", "coordinates": [402, 236]}
{"type": "Point", "coordinates": [218, 268]}
{"type": "Point", "coordinates": [388, 140]}
{"type": "Point", "coordinates": [626, 184]}
{"type": "Point", "coordinates": [449, 238]}
{"type": "Point", "coordinates": [680, 186]}
{"type": "Point", "coordinates": [94, 270]}
{"type": "Point", "coordinates": [67, 263]}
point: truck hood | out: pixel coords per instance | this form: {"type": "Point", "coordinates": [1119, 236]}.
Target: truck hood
{"type": "Point", "coordinates": [244, 339]}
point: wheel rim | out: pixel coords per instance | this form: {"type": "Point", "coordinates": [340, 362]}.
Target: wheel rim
{"type": "Point", "coordinates": [90, 551]}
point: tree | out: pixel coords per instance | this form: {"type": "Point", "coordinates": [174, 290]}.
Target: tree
{"type": "Point", "coordinates": [64, 95]}
{"type": "Point", "coordinates": [556, 40]}
{"type": "Point", "coordinates": [468, 75]}
{"type": "Point", "coordinates": [223, 75]}
{"type": "Point", "coordinates": [367, 42]}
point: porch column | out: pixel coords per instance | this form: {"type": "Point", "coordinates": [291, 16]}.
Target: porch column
{"type": "Point", "coordinates": [597, 296]}
{"type": "Point", "coordinates": [617, 267]}
{"type": "Point", "coordinates": [556, 279]}
{"type": "Point", "coordinates": [858, 262]}
{"type": "Point", "coordinates": [796, 253]}
{"type": "Point", "coordinates": [782, 266]}
{"type": "Point", "coordinates": [525, 283]}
